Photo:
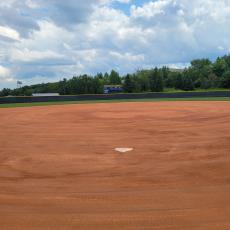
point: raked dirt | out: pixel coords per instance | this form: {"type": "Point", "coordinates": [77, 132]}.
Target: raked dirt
{"type": "Point", "coordinates": [59, 169]}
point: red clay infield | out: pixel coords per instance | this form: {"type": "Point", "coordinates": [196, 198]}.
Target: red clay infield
{"type": "Point", "coordinates": [59, 170]}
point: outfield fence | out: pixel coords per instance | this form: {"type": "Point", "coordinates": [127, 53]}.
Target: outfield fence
{"type": "Point", "coordinates": [83, 97]}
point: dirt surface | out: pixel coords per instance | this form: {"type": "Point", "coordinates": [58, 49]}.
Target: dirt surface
{"type": "Point", "coordinates": [59, 170]}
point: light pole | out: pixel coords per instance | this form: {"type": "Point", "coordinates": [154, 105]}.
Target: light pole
{"type": "Point", "coordinates": [19, 83]}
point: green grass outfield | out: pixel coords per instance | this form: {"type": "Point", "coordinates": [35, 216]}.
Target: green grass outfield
{"type": "Point", "coordinates": [172, 90]}
{"type": "Point", "coordinates": [113, 101]}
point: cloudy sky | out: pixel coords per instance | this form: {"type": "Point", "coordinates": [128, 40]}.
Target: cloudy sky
{"type": "Point", "coordinates": [46, 40]}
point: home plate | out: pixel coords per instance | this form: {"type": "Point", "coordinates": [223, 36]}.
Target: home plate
{"type": "Point", "coordinates": [123, 150]}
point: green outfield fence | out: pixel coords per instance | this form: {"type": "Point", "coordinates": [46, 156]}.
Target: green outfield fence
{"type": "Point", "coordinates": [83, 97]}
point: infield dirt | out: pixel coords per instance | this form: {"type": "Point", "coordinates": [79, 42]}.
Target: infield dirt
{"type": "Point", "coordinates": [59, 169]}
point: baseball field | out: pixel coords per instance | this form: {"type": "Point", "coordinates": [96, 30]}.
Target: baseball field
{"type": "Point", "coordinates": [59, 169]}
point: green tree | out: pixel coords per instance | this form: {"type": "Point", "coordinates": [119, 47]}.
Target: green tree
{"type": "Point", "coordinates": [219, 67]}
{"type": "Point", "coordinates": [128, 84]}
{"type": "Point", "coordinates": [184, 81]}
{"type": "Point", "coordinates": [187, 82]}
{"type": "Point", "coordinates": [28, 92]}
{"type": "Point", "coordinates": [173, 80]}
{"type": "Point", "coordinates": [106, 79]}
{"type": "Point", "coordinates": [200, 63]}
{"type": "Point", "coordinates": [143, 80]}
{"type": "Point", "coordinates": [62, 88]}
{"type": "Point", "coordinates": [114, 78]}
{"type": "Point", "coordinates": [226, 58]}
{"type": "Point", "coordinates": [5, 92]}
{"type": "Point", "coordinates": [97, 85]}
{"type": "Point", "coordinates": [156, 80]}
{"type": "Point", "coordinates": [225, 80]}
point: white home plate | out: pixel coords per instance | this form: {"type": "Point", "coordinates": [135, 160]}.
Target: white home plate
{"type": "Point", "coordinates": [123, 150]}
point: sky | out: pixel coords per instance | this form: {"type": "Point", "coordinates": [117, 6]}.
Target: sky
{"type": "Point", "coordinates": [48, 40]}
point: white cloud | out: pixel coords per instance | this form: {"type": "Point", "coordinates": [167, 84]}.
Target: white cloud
{"type": "Point", "coordinates": [150, 9]}
{"type": "Point", "coordinates": [127, 57]}
{"type": "Point", "coordinates": [9, 33]}
{"type": "Point", "coordinates": [27, 55]}
{"type": "Point", "coordinates": [32, 4]}
{"type": "Point", "coordinates": [5, 74]}
{"type": "Point", "coordinates": [52, 39]}
{"type": "Point", "coordinates": [111, 1]}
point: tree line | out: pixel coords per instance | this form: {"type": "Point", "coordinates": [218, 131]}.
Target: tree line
{"type": "Point", "coordinates": [202, 74]}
